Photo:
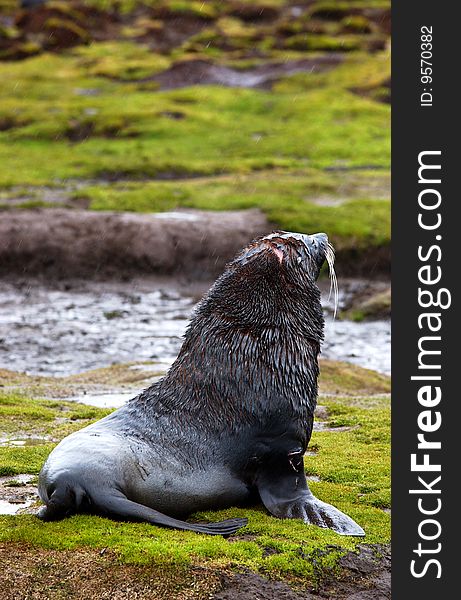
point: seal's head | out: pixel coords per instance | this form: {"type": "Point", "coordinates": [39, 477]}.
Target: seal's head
{"type": "Point", "coordinates": [298, 252]}
{"type": "Point", "coordinates": [271, 284]}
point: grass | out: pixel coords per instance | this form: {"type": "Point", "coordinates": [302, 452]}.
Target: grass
{"type": "Point", "coordinates": [351, 462]}
{"type": "Point", "coordinates": [312, 154]}
{"type": "Point", "coordinates": [315, 128]}
{"type": "Point", "coordinates": [275, 160]}
{"type": "Point", "coordinates": [98, 118]}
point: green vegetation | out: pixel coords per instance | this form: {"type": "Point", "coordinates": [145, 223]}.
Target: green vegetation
{"type": "Point", "coordinates": [375, 307]}
{"type": "Point", "coordinates": [339, 378]}
{"type": "Point", "coordinates": [92, 127]}
{"type": "Point", "coordinates": [351, 458]}
{"type": "Point", "coordinates": [82, 113]}
{"type": "Point", "coordinates": [95, 111]}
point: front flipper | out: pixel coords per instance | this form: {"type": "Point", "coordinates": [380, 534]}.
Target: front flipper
{"type": "Point", "coordinates": [284, 492]}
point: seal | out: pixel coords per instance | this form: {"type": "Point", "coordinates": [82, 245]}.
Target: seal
{"type": "Point", "coordinates": [230, 422]}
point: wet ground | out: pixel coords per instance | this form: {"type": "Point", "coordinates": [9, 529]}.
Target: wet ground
{"type": "Point", "coordinates": [17, 494]}
{"type": "Point", "coordinates": [74, 327]}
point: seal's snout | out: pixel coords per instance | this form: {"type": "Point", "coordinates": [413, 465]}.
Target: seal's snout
{"type": "Point", "coordinates": [318, 242]}
{"type": "Point", "coordinates": [317, 245]}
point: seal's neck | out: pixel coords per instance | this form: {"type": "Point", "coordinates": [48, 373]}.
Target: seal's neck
{"type": "Point", "coordinates": [230, 374]}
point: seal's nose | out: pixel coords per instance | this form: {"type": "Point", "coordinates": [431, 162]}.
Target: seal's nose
{"type": "Point", "coordinates": [318, 241]}
{"type": "Point", "coordinates": [321, 237]}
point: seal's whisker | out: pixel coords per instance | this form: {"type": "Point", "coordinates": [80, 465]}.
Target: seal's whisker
{"type": "Point", "coordinates": [330, 258]}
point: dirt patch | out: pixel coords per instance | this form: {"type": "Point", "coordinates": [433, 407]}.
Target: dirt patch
{"type": "Point", "coordinates": [366, 575]}
{"type": "Point", "coordinates": [36, 573]}
{"type": "Point", "coordinates": [252, 13]}
{"type": "Point", "coordinates": [202, 72]}
{"type": "Point", "coordinates": [368, 300]}
{"type": "Point", "coordinates": [39, 574]}
{"type": "Point", "coordinates": [76, 243]}
{"type": "Point", "coordinates": [380, 92]}
{"type": "Point", "coordinates": [371, 263]}
{"type": "Point", "coordinates": [164, 36]}
{"type": "Point", "coordinates": [58, 26]}
{"type": "Point", "coordinates": [252, 587]}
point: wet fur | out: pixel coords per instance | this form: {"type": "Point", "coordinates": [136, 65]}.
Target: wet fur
{"type": "Point", "coordinates": [231, 420]}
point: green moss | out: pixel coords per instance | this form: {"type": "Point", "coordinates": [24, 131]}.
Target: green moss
{"type": "Point", "coordinates": [120, 60]}
{"type": "Point", "coordinates": [352, 463]}
{"type": "Point", "coordinates": [192, 8]}
{"type": "Point", "coordinates": [312, 43]}
{"type": "Point", "coordinates": [96, 113]}
{"type": "Point", "coordinates": [46, 92]}
{"type": "Point", "coordinates": [65, 27]}
{"type": "Point", "coordinates": [28, 204]}
{"type": "Point", "coordinates": [356, 24]}
{"type": "Point", "coordinates": [344, 378]}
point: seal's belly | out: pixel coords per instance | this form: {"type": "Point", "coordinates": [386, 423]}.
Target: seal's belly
{"type": "Point", "coordinates": [180, 494]}
{"type": "Point", "coordinates": [151, 473]}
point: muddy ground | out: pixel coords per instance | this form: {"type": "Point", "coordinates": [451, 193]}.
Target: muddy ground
{"type": "Point", "coordinates": [166, 25]}
{"type": "Point", "coordinates": [203, 72]}
{"type": "Point", "coordinates": [91, 574]}
{"type": "Point", "coordinates": [66, 327]}
{"type": "Point", "coordinates": [70, 243]}
{"type": "Point", "coordinates": [62, 243]}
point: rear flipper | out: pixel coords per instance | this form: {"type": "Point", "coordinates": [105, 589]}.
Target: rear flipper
{"type": "Point", "coordinates": [64, 502]}
{"type": "Point", "coordinates": [116, 504]}
{"type": "Point", "coordinates": [285, 494]}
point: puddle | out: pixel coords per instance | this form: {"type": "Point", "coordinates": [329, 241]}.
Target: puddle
{"type": "Point", "coordinates": [325, 426]}
{"type": "Point", "coordinates": [315, 478]}
{"type": "Point", "coordinates": [22, 479]}
{"type": "Point", "coordinates": [182, 216]}
{"type": "Point", "coordinates": [17, 494]}
{"type": "Point", "coordinates": [319, 425]}
{"type": "Point", "coordinates": [365, 344]}
{"type": "Point", "coordinates": [49, 331]}
{"type": "Point", "coordinates": [12, 508]}
{"type": "Point", "coordinates": [21, 442]}
{"type": "Point", "coordinates": [114, 400]}
{"type": "Point", "coordinates": [46, 331]}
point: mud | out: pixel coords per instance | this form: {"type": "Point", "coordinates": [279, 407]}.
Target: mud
{"type": "Point", "coordinates": [202, 72]}
{"type": "Point", "coordinates": [74, 326]}
{"type": "Point", "coordinates": [366, 575]}
{"type": "Point", "coordinates": [61, 243]}
{"type": "Point", "coordinates": [94, 574]}
{"type": "Point", "coordinates": [17, 494]}
{"type": "Point", "coordinates": [77, 243]}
